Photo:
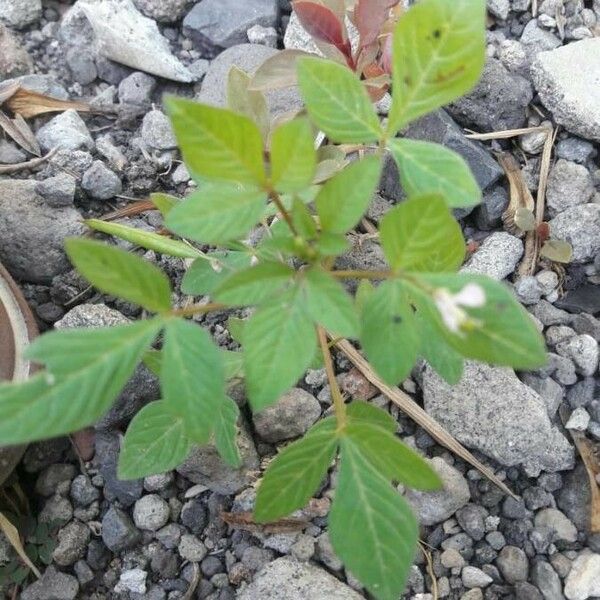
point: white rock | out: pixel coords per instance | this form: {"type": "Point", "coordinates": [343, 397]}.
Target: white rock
{"type": "Point", "coordinates": [133, 580]}
{"type": "Point", "coordinates": [472, 577]}
{"type": "Point", "coordinates": [568, 82]}
{"type": "Point", "coordinates": [20, 13]}
{"type": "Point", "coordinates": [583, 351]}
{"type": "Point", "coordinates": [583, 580]}
{"type": "Point", "coordinates": [125, 35]}
{"type": "Point", "coordinates": [191, 548]}
{"type": "Point", "coordinates": [157, 132]}
{"type": "Point", "coordinates": [579, 419]}
{"type": "Point", "coordinates": [67, 131]}
{"type": "Point", "coordinates": [151, 512]}
{"type": "Point", "coordinates": [497, 256]}
{"type": "Point", "coordinates": [569, 184]}
{"type": "Point", "coordinates": [499, 8]}
{"type": "Point", "coordinates": [554, 519]}
{"type": "Point", "coordinates": [580, 226]}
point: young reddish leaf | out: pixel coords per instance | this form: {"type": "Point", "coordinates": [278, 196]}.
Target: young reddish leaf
{"type": "Point", "coordinates": [370, 15]}
{"type": "Point", "coordinates": [322, 23]}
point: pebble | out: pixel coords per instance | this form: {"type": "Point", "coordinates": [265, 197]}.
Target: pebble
{"type": "Point", "coordinates": [497, 256]}
{"type": "Point", "coordinates": [472, 577]}
{"type": "Point", "coordinates": [100, 182]}
{"type": "Point", "coordinates": [558, 522]}
{"type": "Point", "coordinates": [57, 191]}
{"type": "Point", "coordinates": [118, 531]}
{"type": "Point", "coordinates": [132, 580]}
{"type": "Point", "coordinates": [513, 564]}
{"type": "Point", "coordinates": [72, 544]}
{"type": "Point", "coordinates": [547, 581]}
{"type": "Point", "coordinates": [583, 580]}
{"type": "Point", "coordinates": [569, 184]}
{"type": "Point", "coordinates": [14, 60]}
{"type": "Point", "coordinates": [585, 241]}
{"type": "Point", "coordinates": [83, 492]}
{"type": "Point", "coordinates": [452, 559]}
{"type": "Point", "coordinates": [151, 512]}
{"type": "Point", "coordinates": [20, 13]}
{"type": "Point", "coordinates": [53, 585]}
{"type": "Point", "coordinates": [52, 477]}
{"type": "Point", "coordinates": [575, 149]}
{"type": "Point", "coordinates": [157, 132]}
{"type": "Point", "coordinates": [67, 131]}
{"type": "Point", "coordinates": [583, 351]}
{"type": "Point", "coordinates": [579, 420]}
{"type": "Point", "coordinates": [528, 290]}
{"type": "Point", "coordinates": [164, 11]}
{"type": "Point", "coordinates": [191, 548]}
{"type": "Point", "coordinates": [137, 88]}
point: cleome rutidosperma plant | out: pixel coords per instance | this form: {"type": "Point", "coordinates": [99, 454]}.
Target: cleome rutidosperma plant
{"type": "Point", "coordinates": [253, 173]}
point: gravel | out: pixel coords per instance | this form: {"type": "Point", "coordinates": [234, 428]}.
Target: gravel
{"type": "Point", "coordinates": [569, 184]}
{"type": "Point", "coordinates": [151, 512]}
{"type": "Point", "coordinates": [583, 580]}
{"type": "Point", "coordinates": [20, 13]}
{"type": "Point", "coordinates": [53, 585]}
{"type": "Point", "coordinates": [157, 132]}
{"type": "Point", "coordinates": [118, 530]}
{"type": "Point", "coordinates": [100, 182]}
{"type": "Point", "coordinates": [584, 240]}
{"type": "Point", "coordinates": [58, 191]}
{"type": "Point", "coordinates": [67, 131]}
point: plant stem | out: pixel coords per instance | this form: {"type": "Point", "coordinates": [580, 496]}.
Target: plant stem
{"type": "Point", "coordinates": [198, 309]}
{"type": "Point", "coordinates": [363, 274]}
{"type": "Point", "coordinates": [338, 402]}
{"type": "Point", "coordinates": [282, 210]}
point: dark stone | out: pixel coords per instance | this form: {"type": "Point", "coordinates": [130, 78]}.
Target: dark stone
{"type": "Point", "coordinates": [582, 393]}
{"type": "Point", "coordinates": [574, 497]}
{"type": "Point", "coordinates": [472, 519]}
{"type": "Point", "coordinates": [526, 591]}
{"type": "Point", "coordinates": [118, 530]}
{"type": "Point", "coordinates": [194, 515]}
{"type": "Point", "coordinates": [488, 215]}
{"type": "Point", "coordinates": [98, 555]}
{"type": "Point", "coordinates": [165, 563]}
{"type": "Point", "coordinates": [584, 323]}
{"type": "Point", "coordinates": [584, 299]}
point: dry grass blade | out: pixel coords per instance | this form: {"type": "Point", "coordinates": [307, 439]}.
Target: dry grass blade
{"type": "Point", "coordinates": [245, 521]}
{"type": "Point", "coordinates": [12, 535]}
{"type": "Point", "coordinates": [136, 208]}
{"type": "Point", "coordinates": [590, 454]}
{"type": "Point", "coordinates": [31, 104]}
{"type": "Point", "coordinates": [430, 571]}
{"type": "Point", "coordinates": [20, 132]}
{"type": "Point", "coordinates": [29, 164]}
{"type": "Point", "coordinates": [193, 583]}
{"type": "Point", "coordinates": [417, 414]}
{"type": "Point", "coordinates": [505, 134]}
{"type": "Point", "coordinates": [520, 196]}
{"type": "Point", "coordinates": [6, 91]}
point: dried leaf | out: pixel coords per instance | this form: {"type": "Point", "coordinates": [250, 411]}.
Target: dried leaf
{"type": "Point", "coordinates": [370, 15]}
{"type": "Point", "coordinates": [520, 196]}
{"type": "Point", "coordinates": [12, 535]}
{"type": "Point", "coordinates": [245, 521]}
{"type": "Point", "coordinates": [557, 251]}
{"type": "Point", "coordinates": [20, 132]}
{"type": "Point", "coordinates": [277, 72]}
{"type": "Point", "coordinates": [28, 103]}
{"type": "Point", "coordinates": [6, 91]}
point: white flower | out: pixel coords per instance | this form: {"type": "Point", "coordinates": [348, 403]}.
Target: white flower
{"type": "Point", "coordinates": [449, 305]}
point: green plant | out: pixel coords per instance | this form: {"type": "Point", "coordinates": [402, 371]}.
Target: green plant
{"type": "Point", "coordinates": [250, 173]}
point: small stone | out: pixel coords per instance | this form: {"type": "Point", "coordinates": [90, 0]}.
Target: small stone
{"type": "Point", "coordinates": [585, 241]}
{"type": "Point", "coordinates": [84, 573]}
{"type": "Point", "coordinates": [583, 351]}
{"type": "Point", "coordinates": [137, 88]}
{"type": "Point", "coordinates": [536, 39]}
{"type": "Point", "coordinates": [133, 580]}
{"type": "Point", "coordinates": [527, 591]}
{"type": "Point", "coordinates": [20, 13]}
{"type": "Point", "coordinates": [497, 256]}
{"type": "Point", "coordinates": [157, 483]}
{"type": "Point", "coordinates": [548, 281]}
{"type": "Point", "coordinates": [546, 580]}
{"type": "Point", "coordinates": [584, 299]}
{"type": "Point", "coordinates": [499, 8]}
{"type": "Point", "coordinates": [118, 531]}
{"type": "Point", "coordinates": [576, 150]}
{"type": "Point", "coordinates": [194, 516]}
{"type": "Point", "coordinates": [100, 182]}
{"type": "Point", "coordinates": [10, 154]}
{"type": "Point", "coordinates": [53, 585]}
{"type": "Point", "coordinates": [528, 290]}
{"type": "Point", "coordinates": [56, 509]}
{"type": "Point", "coordinates": [164, 11]}
{"type": "Point", "coordinates": [82, 65]}
{"type": "Point", "coordinates": [83, 492]}
{"type": "Point", "coordinates": [326, 554]}
{"type": "Point", "coordinates": [290, 417]}
{"type": "Point", "coordinates": [472, 577]}
{"type": "Point", "coordinates": [474, 594]}
{"type": "Point", "coordinates": [583, 580]}
{"type": "Point", "coordinates": [558, 522]}
{"type": "Point", "coordinates": [51, 477]}
{"type": "Point", "coordinates": [72, 544]}
{"type": "Point", "coordinates": [513, 564]}
{"type": "Point", "coordinates": [579, 420]}
{"type": "Point", "coordinates": [496, 540]}
{"type": "Point", "coordinates": [151, 512]}
{"type": "Point", "coordinates": [472, 520]}
{"type": "Point", "coordinates": [435, 507]}
{"type": "Point", "coordinates": [191, 548]}
{"type": "Point", "coordinates": [67, 131]}
{"type": "Point", "coordinates": [58, 190]}
{"type": "Point", "coordinates": [170, 535]}
{"type": "Point", "coordinates": [266, 36]}
{"type": "Point", "coordinates": [569, 184]}
{"type": "Point", "coordinates": [14, 60]}
{"type": "Point", "coordinates": [452, 559]}
{"type": "Point", "coordinates": [488, 214]}
{"type": "Point", "coordinates": [157, 132]}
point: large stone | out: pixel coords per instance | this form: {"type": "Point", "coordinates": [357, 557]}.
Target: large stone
{"type": "Point", "coordinates": [165, 11]}
{"type": "Point", "coordinates": [569, 184]}
{"type": "Point", "coordinates": [53, 585]}
{"type": "Point", "coordinates": [568, 82]}
{"type": "Point", "coordinates": [224, 23]}
{"type": "Point", "coordinates": [498, 102]}
{"type": "Point", "coordinates": [14, 59]}
{"type": "Point", "coordinates": [435, 507]}
{"type": "Point", "coordinates": [583, 580]}
{"type": "Point", "coordinates": [247, 57]}
{"type": "Point", "coordinates": [497, 256]}
{"type": "Point", "coordinates": [66, 131]}
{"type": "Point", "coordinates": [20, 13]}
{"type": "Point", "coordinates": [580, 226]}
{"type": "Point", "coordinates": [492, 411]}
{"type": "Point", "coordinates": [205, 466]}
{"type": "Point", "coordinates": [32, 233]}
{"type": "Point", "coordinates": [293, 580]}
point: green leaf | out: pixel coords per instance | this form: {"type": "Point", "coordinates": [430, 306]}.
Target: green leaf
{"type": "Point", "coordinates": [192, 377]}
{"type": "Point", "coordinates": [164, 203]}
{"type": "Point", "coordinates": [427, 168]}
{"type": "Point", "coordinates": [217, 143]}
{"type": "Point", "coordinates": [155, 442]}
{"type": "Point", "coordinates": [332, 244]}
{"type": "Point", "coordinates": [217, 214]}
{"type": "Point", "coordinates": [295, 474]}
{"type": "Point", "coordinates": [438, 55]}
{"type": "Point", "coordinates": [226, 432]}
{"type": "Point", "coordinates": [153, 361]}
{"type": "Point", "coordinates": [303, 221]}
{"type": "Point", "coordinates": [233, 364]}
{"type": "Point", "coordinates": [389, 335]}
{"type": "Point", "coordinates": [86, 369]}
{"type": "Point", "coordinates": [421, 234]}
{"type": "Point", "coordinates": [361, 411]}
{"type": "Point", "coordinates": [329, 304]}
{"type": "Point", "coordinates": [279, 344]}
{"type": "Point", "coordinates": [206, 273]}
{"type": "Point", "coordinates": [344, 199]}
{"type": "Point", "coordinates": [145, 239]}
{"type": "Point", "coordinates": [337, 101]}
{"type": "Point", "coordinates": [293, 156]}
{"type": "Point", "coordinates": [390, 457]}
{"type": "Point", "coordinates": [242, 100]}
{"type": "Point", "coordinates": [255, 284]}
{"type": "Point", "coordinates": [503, 332]}
{"type": "Point", "coordinates": [371, 527]}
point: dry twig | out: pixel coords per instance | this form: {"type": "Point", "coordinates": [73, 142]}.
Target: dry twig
{"type": "Point", "coordinates": [29, 164]}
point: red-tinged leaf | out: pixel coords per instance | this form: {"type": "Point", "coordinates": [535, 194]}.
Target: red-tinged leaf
{"type": "Point", "coordinates": [386, 54]}
{"type": "Point", "coordinates": [543, 231]}
{"type": "Point", "coordinates": [377, 82]}
{"type": "Point", "coordinates": [322, 23]}
{"type": "Point", "coordinates": [370, 15]}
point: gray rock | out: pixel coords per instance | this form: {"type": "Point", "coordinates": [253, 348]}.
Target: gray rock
{"type": "Point", "coordinates": [472, 577]}
{"type": "Point", "coordinates": [499, 8]}
{"type": "Point", "coordinates": [555, 520]}
{"type": "Point", "coordinates": [247, 57]}
{"type": "Point", "coordinates": [67, 131]}
{"type": "Point", "coordinates": [497, 256]}
{"type": "Point", "coordinates": [517, 431]}
{"type": "Point", "coordinates": [579, 420]}
{"type": "Point", "coordinates": [550, 391]}
{"type": "Point", "coordinates": [137, 88]}
{"type": "Point", "coordinates": [527, 591]}
{"type": "Point", "coordinates": [57, 191]}
{"type": "Point", "coordinates": [132, 580]}
{"type": "Point", "coordinates": [472, 520]}
{"type": "Point", "coordinates": [435, 507]}
{"type": "Point", "coordinates": [205, 466]}
{"type": "Point", "coordinates": [72, 544]}
{"type": "Point", "coordinates": [118, 530]}
{"type": "Point", "coordinates": [569, 184]}
{"type": "Point", "coordinates": [550, 315]}
{"type": "Point", "coordinates": [82, 65]}
{"type": "Point", "coordinates": [20, 13]}
{"type": "Point", "coordinates": [536, 39]}
{"type": "Point", "coordinates": [547, 581]}
{"type": "Point", "coordinates": [583, 580]}
{"type": "Point", "coordinates": [224, 22]}
{"type": "Point", "coordinates": [84, 572]}
{"type": "Point", "coordinates": [83, 492]}
{"type": "Point", "coordinates": [151, 513]}
{"type": "Point", "coordinates": [164, 11]}
{"type": "Point", "coordinates": [488, 215]}
{"type": "Point", "coordinates": [157, 132]}
{"type": "Point", "coordinates": [513, 564]}
{"type": "Point", "coordinates": [582, 393]}
{"type": "Point", "coordinates": [191, 548]}
{"type": "Point", "coordinates": [583, 351]}
{"type": "Point", "coordinates": [499, 100]}
{"type": "Point", "coordinates": [44, 84]}
{"type": "Point", "coordinates": [54, 476]}
{"type": "Point", "coordinates": [585, 241]}
{"type": "Point", "coordinates": [439, 127]}
{"type": "Point", "coordinates": [572, 95]}
{"type": "Point", "coordinates": [10, 154]}
{"type": "Point", "coordinates": [53, 585]}
{"type": "Point", "coordinates": [91, 315]}
{"type": "Point", "coordinates": [290, 417]}
{"type": "Point", "coordinates": [562, 368]}
{"type": "Point", "coordinates": [170, 535]}
{"type": "Point", "coordinates": [56, 509]}
{"type": "Point", "coordinates": [159, 482]}
{"type": "Point", "coordinates": [100, 182]}
{"type": "Point", "coordinates": [326, 554]}
{"type": "Point", "coordinates": [293, 580]}
{"type": "Point", "coordinates": [528, 290]}
{"type": "Point", "coordinates": [194, 515]}
{"type": "Point", "coordinates": [584, 299]}
{"type": "Point", "coordinates": [32, 233]}
{"type": "Point", "coordinates": [266, 36]}
{"type": "Point", "coordinates": [127, 37]}
{"type": "Point", "coordinates": [576, 150]}
{"type": "Point", "coordinates": [14, 60]}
